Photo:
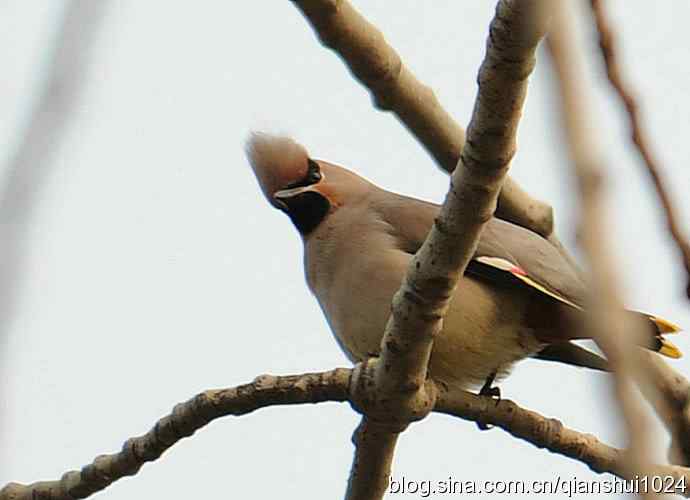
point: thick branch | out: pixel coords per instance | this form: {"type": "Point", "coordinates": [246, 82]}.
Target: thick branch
{"type": "Point", "coordinates": [399, 389]}
{"type": "Point", "coordinates": [394, 88]}
{"type": "Point", "coordinates": [374, 451]}
{"type": "Point", "coordinates": [185, 419]}
{"type": "Point", "coordinates": [607, 43]}
{"type": "Point", "coordinates": [420, 304]}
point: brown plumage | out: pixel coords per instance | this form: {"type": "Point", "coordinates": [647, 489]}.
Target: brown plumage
{"type": "Point", "coordinates": [518, 298]}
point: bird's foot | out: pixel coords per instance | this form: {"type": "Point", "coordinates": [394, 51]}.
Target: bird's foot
{"type": "Point", "coordinates": [492, 392]}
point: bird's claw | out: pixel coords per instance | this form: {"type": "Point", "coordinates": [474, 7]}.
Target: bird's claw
{"type": "Point", "coordinates": [492, 392]}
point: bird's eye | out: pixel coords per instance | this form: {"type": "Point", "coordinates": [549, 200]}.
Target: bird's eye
{"type": "Point", "coordinates": [313, 176]}
{"type": "Point", "coordinates": [314, 172]}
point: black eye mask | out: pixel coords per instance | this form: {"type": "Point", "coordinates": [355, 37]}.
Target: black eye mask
{"type": "Point", "coordinates": [307, 210]}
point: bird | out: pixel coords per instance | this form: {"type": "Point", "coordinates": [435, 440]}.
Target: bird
{"type": "Point", "coordinates": [518, 298]}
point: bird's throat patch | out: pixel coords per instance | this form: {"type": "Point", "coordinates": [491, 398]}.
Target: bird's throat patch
{"type": "Point", "coordinates": [307, 210]}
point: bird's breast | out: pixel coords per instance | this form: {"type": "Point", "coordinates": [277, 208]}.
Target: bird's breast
{"type": "Point", "coordinates": [484, 330]}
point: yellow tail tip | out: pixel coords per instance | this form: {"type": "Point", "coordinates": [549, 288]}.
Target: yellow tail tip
{"type": "Point", "coordinates": [669, 350]}
{"type": "Point", "coordinates": [665, 326]}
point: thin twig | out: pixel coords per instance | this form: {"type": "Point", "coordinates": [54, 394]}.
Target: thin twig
{"type": "Point", "coordinates": [607, 43]}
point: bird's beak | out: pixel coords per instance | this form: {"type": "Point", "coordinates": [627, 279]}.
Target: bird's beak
{"type": "Point", "coordinates": [284, 195]}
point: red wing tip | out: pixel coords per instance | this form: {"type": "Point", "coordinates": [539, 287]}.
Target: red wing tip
{"type": "Point", "coordinates": [518, 270]}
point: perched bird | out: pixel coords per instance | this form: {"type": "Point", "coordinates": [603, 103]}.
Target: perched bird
{"type": "Point", "coordinates": [519, 297]}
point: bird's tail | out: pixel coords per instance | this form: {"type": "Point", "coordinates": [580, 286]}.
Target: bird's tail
{"type": "Point", "coordinates": [573, 354]}
{"type": "Point", "coordinates": [658, 327]}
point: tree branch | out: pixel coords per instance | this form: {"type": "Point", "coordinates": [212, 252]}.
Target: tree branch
{"type": "Point", "coordinates": [547, 433]}
{"type": "Point", "coordinates": [607, 43]}
{"type": "Point", "coordinates": [606, 320]}
{"type": "Point", "coordinates": [399, 393]}
{"type": "Point", "coordinates": [669, 393]}
{"type": "Point", "coordinates": [394, 88]}
{"type": "Point", "coordinates": [336, 385]}
{"type": "Point", "coordinates": [374, 451]}
{"type": "Point", "coordinates": [185, 419]}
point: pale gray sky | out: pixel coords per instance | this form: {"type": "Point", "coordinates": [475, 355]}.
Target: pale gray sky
{"type": "Point", "coordinates": [156, 269]}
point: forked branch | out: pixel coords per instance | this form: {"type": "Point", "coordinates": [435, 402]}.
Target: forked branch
{"type": "Point", "coordinates": [266, 390]}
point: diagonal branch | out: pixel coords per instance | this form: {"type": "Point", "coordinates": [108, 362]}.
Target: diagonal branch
{"type": "Point", "coordinates": [399, 392]}
{"type": "Point", "coordinates": [420, 304]}
{"type": "Point", "coordinates": [607, 43]}
{"type": "Point", "coordinates": [394, 88]}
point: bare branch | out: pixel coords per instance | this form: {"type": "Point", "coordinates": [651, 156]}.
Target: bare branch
{"type": "Point", "coordinates": [374, 451]}
{"type": "Point", "coordinates": [185, 419]}
{"type": "Point", "coordinates": [547, 433]}
{"type": "Point", "coordinates": [399, 393]}
{"type": "Point", "coordinates": [607, 43]}
{"type": "Point", "coordinates": [394, 88]}
{"type": "Point", "coordinates": [420, 304]}
{"type": "Point", "coordinates": [607, 319]}
{"type": "Point", "coordinates": [336, 385]}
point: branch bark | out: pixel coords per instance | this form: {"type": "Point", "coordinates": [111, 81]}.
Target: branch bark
{"type": "Point", "coordinates": [548, 433]}
{"type": "Point", "coordinates": [394, 88]}
{"type": "Point", "coordinates": [335, 385]}
{"type": "Point", "coordinates": [399, 393]}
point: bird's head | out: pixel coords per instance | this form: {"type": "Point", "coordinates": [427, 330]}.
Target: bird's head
{"type": "Point", "coordinates": [307, 190]}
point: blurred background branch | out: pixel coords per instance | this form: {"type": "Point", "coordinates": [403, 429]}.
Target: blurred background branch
{"type": "Point", "coordinates": [607, 44]}
{"type": "Point", "coordinates": [30, 163]}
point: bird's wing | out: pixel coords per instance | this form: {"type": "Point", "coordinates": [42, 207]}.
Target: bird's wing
{"type": "Point", "coordinates": [527, 256]}
{"type": "Point", "coordinates": [505, 252]}
{"type": "Point", "coordinates": [511, 255]}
